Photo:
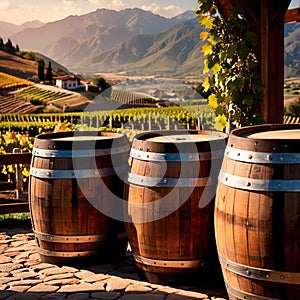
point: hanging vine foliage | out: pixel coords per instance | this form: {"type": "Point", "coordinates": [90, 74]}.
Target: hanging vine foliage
{"type": "Point", "coordinates": [232, 67]}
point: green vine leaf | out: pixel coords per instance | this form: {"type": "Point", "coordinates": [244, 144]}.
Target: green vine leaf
{"type": "Point", "coordinates": [251, 38]}
{"type": "Point", "coordinates": [234, 78]}
{"type": "Point", "coordinates": [207, 49]}
{"type": "Point", "coordinates": [206, 84]}
{"type": "Point", "coordinates": [213, 101]}
{"type": "Point", "coordinates": [216, 68]}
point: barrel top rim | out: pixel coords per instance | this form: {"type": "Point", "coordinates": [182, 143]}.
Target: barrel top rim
{"type": "Point", "coordinates": [57, 136]}
{"type": "Point", "coordinates": [157, 136]}
{"type": "Point", "coordinates": [246, 132]}
{"type": "Point", "coordinates": [280, 134]}
{"type": "Point", "coordinates": [64, 141]}
{"type": "Point", "coordinates": [239, 139]}
{"type": "Point", "coordinates": [81, 138]}
{"type": "Point", "coordinates": [188, 138]}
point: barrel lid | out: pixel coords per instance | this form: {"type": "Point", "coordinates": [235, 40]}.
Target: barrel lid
{"type": "Point", "coordinates": [266, 138]}
{"type": "Point", "coordinates": [291, 134]}
{"type": "Point", "coordinates": [79, 140]}
{"type": "Point", "coordinates": [179, 141]}
{"type": "Point", "coordinates": [184, 138]}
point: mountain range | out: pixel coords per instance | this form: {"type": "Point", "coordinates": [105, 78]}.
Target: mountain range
{"type": "Point", "coordinates": [131, 40]}
{"type": "Point", "coordinates": [292, 50]}
{"type": "Point", "coordinates": [7, 30]}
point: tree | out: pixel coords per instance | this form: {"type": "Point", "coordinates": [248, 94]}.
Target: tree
{"type": "Point", "coordinates": [17, 48]}
{"type": "Point", "coordinates": [30, 55]}
{"type": "Point", "coordinates": [101, 83]}
{"type": "Point", "coordinates": [9, 46]}
{"type": "Point", "coordinates": [49, 75]}
{"type": "Point", "coordinates": [41, 70]}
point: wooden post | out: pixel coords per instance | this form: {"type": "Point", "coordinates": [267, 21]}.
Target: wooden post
{"type": "Point", "coordinates": [19, 176]}
{"type": "Point", "coordinates": [150, 122]}
{"type": "Point", "coordinates": [269, 30]}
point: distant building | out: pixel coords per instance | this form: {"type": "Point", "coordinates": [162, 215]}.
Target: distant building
{"type": "Point", "coordinates": [91, 87]}
{"type": "Point", "coordinates": [154, 93]}
{"type": "Point", "coordinates": [69, 82]}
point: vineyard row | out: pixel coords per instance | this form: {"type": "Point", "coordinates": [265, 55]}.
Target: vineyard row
{"type": "Point", "coordinates": [134, 118]}
{"type": "Point", "coordinates": [8, 81]}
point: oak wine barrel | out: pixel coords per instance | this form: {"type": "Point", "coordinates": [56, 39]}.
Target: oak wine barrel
{"type": "Point", "coordinates": [171, 180]}
{"type": "Point", "coordinates": [257, 213]}
{"type": "Point", "coordinates": [67, 227]}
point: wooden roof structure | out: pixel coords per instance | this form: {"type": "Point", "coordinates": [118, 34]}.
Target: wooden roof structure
{"type": "Point", "coordinates": [266, 19]}
{"type": "Point", "coordinates": [292, 15]}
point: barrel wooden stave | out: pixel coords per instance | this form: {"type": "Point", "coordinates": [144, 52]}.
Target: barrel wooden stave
{"type": "Point", "coordinates": [186, 235]}
{"type": "Point", "coordinates": [259, 229]}
{"type": "Point", "coordinates": [60, 212]}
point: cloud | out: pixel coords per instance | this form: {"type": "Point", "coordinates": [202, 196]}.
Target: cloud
{"type": "Point", "coordinates": [114, 4]}
{"type": "Point", "coordinates": [5, 4]}
{"type": "Point", "coordinates": [10, 12]}
{"type": "Point", "coordinates": [79, 7]}
{"type": "Point", "coordinates": [68, 7]}
{"type": "Point", "coordinates": [166, 11]}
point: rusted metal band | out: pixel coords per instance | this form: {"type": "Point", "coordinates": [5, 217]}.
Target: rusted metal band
{"type": "Point", "coordinates": [71, 174]}
{"type": "Point", "coordinates": [262, 157]}
{"type": "Point", "coordinates": [176, 157]}
{"type": "Point", "coordinates": [260, 274]}
{"type": "Point", "coordinates": [65, 253]}
{"type": "Point", "coordinates": [251, 184]}
{"type": "Point", "coordinates": [246, 296]}
{"type": "Point", "coordinates": [168, 263]}
{"type": "Point", "coordinates": [68, 238]}
{"type": "Point", "coordinates": [79, 153]}
{"type": "Point", "coordinates": [147, 181]}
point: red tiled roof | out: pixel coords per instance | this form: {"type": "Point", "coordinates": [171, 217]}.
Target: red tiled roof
{"type": "Point", "coordinates": [67, 77]}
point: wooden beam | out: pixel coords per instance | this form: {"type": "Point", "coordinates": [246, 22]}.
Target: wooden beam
{"type": "Point", "coordinates": [10, 208]}
{"type": "Point", "coordinates": [270, 52]}
{"type": "Point", "coordinates": [224, 7]}
{"type": "Point", "coordinates": [292, 15]}
{"type": "Point", "coordinates": [11, 159]}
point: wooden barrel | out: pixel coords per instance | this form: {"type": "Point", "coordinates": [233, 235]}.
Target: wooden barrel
{"type": "Point", "coordinates": [64, 182]}
{"type": "Point", "coordinates": [170, 235]}
{"type": "Point", "coordinates": [257, 213]}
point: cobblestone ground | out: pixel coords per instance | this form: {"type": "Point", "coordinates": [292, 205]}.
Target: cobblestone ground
{"type": "Point", "coordinates": [24, 276]}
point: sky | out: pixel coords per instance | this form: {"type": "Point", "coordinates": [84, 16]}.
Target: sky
{"type": "Point", "coordinates": [21, 11]}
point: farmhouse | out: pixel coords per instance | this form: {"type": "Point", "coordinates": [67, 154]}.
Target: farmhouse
{"type": "Point", "coordinates": [69, 82]}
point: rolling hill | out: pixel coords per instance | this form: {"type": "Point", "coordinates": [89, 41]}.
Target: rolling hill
{"type": "Point", "coordinates": [24, 68]}
{"type": "Point", "coordinates": [17, 66]}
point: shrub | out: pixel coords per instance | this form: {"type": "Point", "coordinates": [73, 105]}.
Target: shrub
{"type": "Point", "coordinates": [293, 109]}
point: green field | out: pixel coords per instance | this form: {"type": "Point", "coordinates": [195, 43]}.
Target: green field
{"type": "Point", "coordinates": [41, 96]}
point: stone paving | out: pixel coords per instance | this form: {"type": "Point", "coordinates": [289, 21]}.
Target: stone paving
{"type": "Point", "coordinates": [24, 276]}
